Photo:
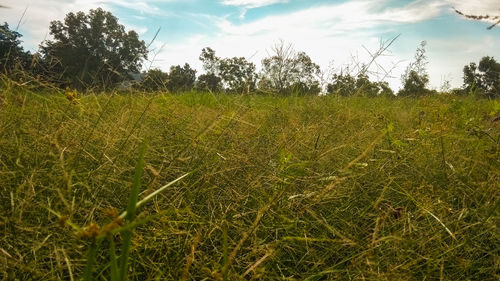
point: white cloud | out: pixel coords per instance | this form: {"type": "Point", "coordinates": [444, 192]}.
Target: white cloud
{"type": "Point", "coordinates": [333, 32]}
{"type": "Point", "coordinates": [327, 32]}
{"type": "Point", "coordinates": [252, 3]}
{"type": "Point", "coordinates": [336, 18]}
{"type": "Point", "coordinates": [415, 11]}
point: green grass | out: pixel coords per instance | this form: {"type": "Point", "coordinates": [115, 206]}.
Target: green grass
{"type": "Point", "coordinates": [300, 188]}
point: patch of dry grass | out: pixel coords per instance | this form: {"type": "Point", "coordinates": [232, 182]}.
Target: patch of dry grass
{"type": "Point", "coordinates": [306, 188]}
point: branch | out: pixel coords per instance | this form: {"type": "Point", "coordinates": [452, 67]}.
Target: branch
{"type": "Point", "coordinates": [480, 18]}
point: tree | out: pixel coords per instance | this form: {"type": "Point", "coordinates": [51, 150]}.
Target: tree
{"type": "Point", "coordinates": [209, 82]}
{"type": "Point", "coordinates": [287, 71]}
{"type": "Point", "coordinates": [210, 61]}
{"type": "Point", "coordinates": [93, 50]}
{"type": "Point", "coordinates": [181, 78]}
{"type": "Point", "coordinates": [342, 84]}
{"type": "Point", "coordinates": [237, 74]}
{"type": "Point", "coordinates": [230, 74]}
{"type": "Point", "coordinates": [485, 77]}
{"type": "Point", "coordinates": [385, 90]}
{"type": "Point", "coordinates": [12, 54]}
{"type": "Point", "coordinates": [304, 75]}
{"type": "Point", "coordinates": [276, 69]}
{"type": "Point", "coordinates": [366, 87]}
{"type": "Point", "coordinates": [345, 84]}
{"type": "Point", "coordinates": [415, 77]}
{"type": "Point", "coordinates": [154, 80]}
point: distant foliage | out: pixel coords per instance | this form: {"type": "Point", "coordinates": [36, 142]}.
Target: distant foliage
{"type": "Point", "coordinates": [345, 85]}
{"type": "Point", "coordinates": [342, 84]}
{"type": "Point", "coordinates": [286, 72]}
{"type": "Point", "coordinates": [235, 75]}
{"type": "Point", "coordinates": [238, 75]}
{"type": "Point", "coordinates": [181, 78]}
{"type": "Point", "coordinates": [483, 79]}
{"type": "Point", "coordinates": [92, 50]}
{"type": "Point", "coordinates": [154, 80]}
{"type": "Point", "coordinates": [210, 61]}
{"type": "Point", "coordinates": [209, 82]}
{"type": "Point", "coordinates": [415, 78]}
{"type": "Point", "coordinates": [12, 54]}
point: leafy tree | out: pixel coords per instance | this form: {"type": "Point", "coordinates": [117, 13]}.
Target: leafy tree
{"type": "Point", "coordinates": [209, 82]}
{"type": "Point", "coordinates": [276, 69]}
{"type": "Point", "coordinates": [231, 74]}
{"type": "Point", "coordinates": [210, 61]}
{"type": "Point", "coordinates": [414, 84]}
{"type": "Point", "coordinates": [385, 90]}
{"type": "Point", "coordinates": [12, 53]}
{"type": "Point", "coordinates": [346, 85]}
{"type": "Point", "coordinates": [238, 74]}
{"type": "Point", "coordinates": [286, 71]}
{"type": "Point", "coordinates": [154, 80]}
{"type": "Point", "coordinates": [93, 49]}
{"type": "Point", "coordinates": [471, 77]}
{"type": "Point", "coordinates": [181, 78]}
{"type": "Point", "coordinates": [304, 75]}
{"type": "Point", "coordinates": [367, 87]}
{"type": "Point", "coordinates": [484, 77]}
{"type": "Point", "coordinates": [342, 84]}
{"type": "Point", "coordinates": [415, 78]}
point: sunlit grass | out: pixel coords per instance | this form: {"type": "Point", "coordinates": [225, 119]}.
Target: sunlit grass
{"type": "Point", "coordinates": [315, 188]}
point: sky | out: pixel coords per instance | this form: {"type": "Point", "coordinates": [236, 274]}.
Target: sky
{"type": "Point", "coordinates": [333, 33]}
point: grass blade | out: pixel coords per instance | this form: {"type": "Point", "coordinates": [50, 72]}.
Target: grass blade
{"type": "Point", "coordinates": [87, 274]}
{"type": "Point", "coordinates": [153, 194]}
{"type": "Point", "coordinates": [113, 263]}
{"type": "Point", "coordinates": [225, 250]}
{"type": "Point", "coordinates": [127, 235]}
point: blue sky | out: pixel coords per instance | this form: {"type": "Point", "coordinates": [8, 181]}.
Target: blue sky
{"type": "Point", "coordinates": [333, 33]}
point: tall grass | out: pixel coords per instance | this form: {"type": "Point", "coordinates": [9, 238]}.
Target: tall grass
{"type": "Point", "coordinates": [300, 188]}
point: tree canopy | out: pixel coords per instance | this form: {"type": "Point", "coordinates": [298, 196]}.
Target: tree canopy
{"type": "Point", "coordinates": [235, 74]}
{"type": "Point", "coordinates": [484, 77]}
{"type": "Point", "coordinates": [286, 71]}
{"type": "Point", "coordinates": [415, 77]}
{"type": "Point", "coordinates": [93, 50]}
{"type": "Point", "coordinates": [345, 84]}
{"type": "Point", "coordinates": [181, 78]}
{"type": "Point", "coordinates": [12, 54]}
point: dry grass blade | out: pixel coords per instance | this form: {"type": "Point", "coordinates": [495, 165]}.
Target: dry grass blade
{"type": "Point", "coordinates": [250, 230]}
{"type": "Point", "coordinates": [153, 194]}
{"type": "Point", "coordinates": [440, 222]}
{"type": "Point", "coordinates": [258, 262]}
{"type": "Point", "coordinates": [190, 258]}
{"type": "Point", "coordinates": [301, 204]}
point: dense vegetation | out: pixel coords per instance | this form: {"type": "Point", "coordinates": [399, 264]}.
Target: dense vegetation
{"type": "Point", "coordinates": [238, 174]}
{"type": "Point", "coordinates": [295, 188]}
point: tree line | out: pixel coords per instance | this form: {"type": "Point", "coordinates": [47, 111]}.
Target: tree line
{"type": "Point", "coordinates": [93, 51]}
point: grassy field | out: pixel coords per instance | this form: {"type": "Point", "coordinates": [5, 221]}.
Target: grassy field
{"type": "Point", "coordinates": [297, 188]}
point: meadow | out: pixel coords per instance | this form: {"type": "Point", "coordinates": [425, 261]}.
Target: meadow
{"type": "Point", "coordinates": [279, 188]}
